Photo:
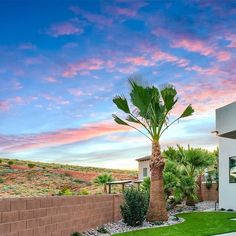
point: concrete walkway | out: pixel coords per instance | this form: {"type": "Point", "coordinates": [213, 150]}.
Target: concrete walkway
{"type": "Point", "coordinates": [229, 234]}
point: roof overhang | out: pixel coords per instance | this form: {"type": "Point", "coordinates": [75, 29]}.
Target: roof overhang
{"type": "Point", "coordinates": [146, 158]}
{"type": "Point", "coordinates": [231, 135]}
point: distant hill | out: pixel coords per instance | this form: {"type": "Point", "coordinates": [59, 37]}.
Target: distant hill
{"type": "Point", "coordinates": [28, 178]}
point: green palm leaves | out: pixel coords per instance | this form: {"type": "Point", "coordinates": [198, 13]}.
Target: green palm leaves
{"type": "Point", "coordinates": [149, 108]}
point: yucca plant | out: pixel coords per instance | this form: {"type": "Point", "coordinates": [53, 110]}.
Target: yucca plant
{"type": "Point", "coordinates": [150, 109]}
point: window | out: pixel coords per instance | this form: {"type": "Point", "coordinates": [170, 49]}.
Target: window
{"type": "Point", "coordinates": [232, 169]}
{"type": "Point", "coordinates": [144, 172]}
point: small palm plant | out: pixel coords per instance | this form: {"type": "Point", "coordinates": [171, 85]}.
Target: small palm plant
{"type": "Point", "coordinates": [103, 179]}
{"type": "Point", "coordinates": [187, 165]}
{"type": "Point", "coordinates": [151, 110]}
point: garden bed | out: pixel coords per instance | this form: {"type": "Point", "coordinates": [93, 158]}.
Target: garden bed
{"type": "Point", "coordinates": [121, 227]}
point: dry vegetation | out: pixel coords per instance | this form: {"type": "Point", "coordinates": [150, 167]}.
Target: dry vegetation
{"type": "Point", "coordinates": [22, 178]}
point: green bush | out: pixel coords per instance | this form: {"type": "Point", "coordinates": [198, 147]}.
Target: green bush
{"type": "Point", "coordinates": [31, 165]}
{"type": "Point", "coordinates": [83, 191]}
{"type": "Point", "coordinates": [1, 180]}
{"type": "Point", "coordinates": [0, 160]}
{"type": "Point", "coordinates": [76, 234]}
{"type": "Point", "coordinates": [10, 163]}
{"type": "Point", "coordinates": [134, 208]}
{"type": "Point", "coordinates": [65, 192]}
{"type": "Point", "coordinates": [145, 186]}
{"type": "Point", "coordinates": [209, 183]}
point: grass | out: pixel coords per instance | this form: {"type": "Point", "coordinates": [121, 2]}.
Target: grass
{"type": "Point", "coordinates": [197, 224]}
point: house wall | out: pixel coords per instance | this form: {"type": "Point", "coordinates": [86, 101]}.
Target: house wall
{"type": "Point", "coordinates": [227, 191]}
{"type": "Point", "coordinates": [225, 118]}
{"type": "Point", "coordinates": [141, 165]}
{"type": "Point", "coordinates": [57, 216]}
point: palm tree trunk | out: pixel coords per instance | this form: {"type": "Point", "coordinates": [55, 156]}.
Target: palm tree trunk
{"type": "Point", "coordinates": [199, 180]}
{"type": "Point", "coordinates": [157, 205]}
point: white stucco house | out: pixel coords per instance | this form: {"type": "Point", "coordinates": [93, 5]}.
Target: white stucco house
{"type": "Point", "coordinates": [226, 130]}
{"type": "Point", "coordinates": [143, 167]}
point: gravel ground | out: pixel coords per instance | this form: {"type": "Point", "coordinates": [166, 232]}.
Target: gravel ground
{"type": "Point", "coordinates": [120, 226]}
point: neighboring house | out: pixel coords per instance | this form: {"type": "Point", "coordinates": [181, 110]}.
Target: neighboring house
{"type": "Point", "coordinates": [226, 130]}
{"type": "Point", "coordinates": [143, 167]}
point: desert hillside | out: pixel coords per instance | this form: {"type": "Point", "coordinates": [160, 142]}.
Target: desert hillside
{"type": "Point", "coordinates": [26, 178]}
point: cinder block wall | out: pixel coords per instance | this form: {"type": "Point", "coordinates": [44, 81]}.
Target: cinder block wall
{"type": "Point", "coordinates": [56, 216]}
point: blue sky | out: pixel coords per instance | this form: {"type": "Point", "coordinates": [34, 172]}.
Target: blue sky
{"type": "Point", "coordinates": [62, 62]}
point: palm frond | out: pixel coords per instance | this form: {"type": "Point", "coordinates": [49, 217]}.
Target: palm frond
{"type": "Point", "coordinates": [168, 94]}
{"type": "Point", "coordinates": [187, 112]}
{"type": "Point", "coordinates": [121, 103]}
{"type": "Point", "coordinates": [118, 120]}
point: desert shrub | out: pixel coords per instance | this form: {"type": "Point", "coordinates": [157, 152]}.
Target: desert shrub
{"type": "Point", "coordinates": [158, 223]}
{"type": "Point", "coordinates": [10, 163]}
{"type": "Point", "coordinates": [230, 210]}
{"type": "Point", "coordinates": [83, 191]}
{"type": "Point", "coordinates": [76, 234]}
{"type": "Point", "coordinates": [1, 180]}
{"type": "Point", "coordinates": [0, 160]}
{"type": "Point", "coordinates": [65, 192]}
{"type": "Point", "coordinates": [209, 182]}
{"type": "Point", "coordinates": [31, 165]}
{"type": "Point", "coordinates": [78, 181]}
{"type": "Point", "coordinates": [102, 230]}
{"type": "Point", "coordinates": [134, 208]}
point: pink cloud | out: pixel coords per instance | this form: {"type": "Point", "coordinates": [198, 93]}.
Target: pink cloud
{"type": "Point", "coordinates": [76, 92]}
{"type": "Point", "coordinates": [4, 106]}
{"type": "Point", "coordinates": [193, 45]}
{"type": "Point", "coordinates": [223, 56]}
{"type": "Point", "coordinates": [60, 137]}
{"type": "Point", "coordinates": [126, 11]}
{"type": "Point", "coordinates": [83, 66]}
{"type": "Point", "coordinates": [66, 28]}
{"type": "Point", "coordinates": [201, 47]}
{"type": "Point", "coordinates": [139, 61]}
{"type": "Point", "coordinates": [51, 79]}
{"type": "Point", "coordinates": [56, 99]}
{"type": "Point", "coordinates": [206, 96]}
{"type": "Point", "coordinates": [96, 19]}
{"type": "Point", "coordinates": [205, 71]}
{"type": "Point", "coordinates": [232, 39]}
{"type": "Point", "coordinates": [34, 60]}
{"type": "Point", "coordinates": [70, 45]}
{"type": "Point", "coordinates": [18, 100]}
{"type": "Point", "coordinates": [27, 46]}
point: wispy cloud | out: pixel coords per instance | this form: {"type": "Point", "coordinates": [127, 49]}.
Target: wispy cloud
{"type": "Point", "coordinates": [64, 28]}
{"type": "Point", "coordinates": [4, 106]}
{"type": "Point", "coordinates": [83, 66]}
{"type": "Point", "coordinates": [88, 131]}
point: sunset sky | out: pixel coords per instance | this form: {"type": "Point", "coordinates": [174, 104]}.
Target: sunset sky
{"type": "Point", "coordinates": [62, 62]}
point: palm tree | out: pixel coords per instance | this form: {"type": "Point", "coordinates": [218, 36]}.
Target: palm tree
{"type": "Point", "coordinates": [103, 179]}
{"type": "Point", "coordinates": [151, 110]}
{"type": "Point", "coordinates": [195, 161]}
{"type": "Point", "coordinates": [190, 165]}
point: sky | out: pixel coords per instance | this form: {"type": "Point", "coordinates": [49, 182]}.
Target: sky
{"type": "Point", "coordinates": [62, 62]}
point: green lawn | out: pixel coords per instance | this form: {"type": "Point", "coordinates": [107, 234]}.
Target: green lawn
{"type": "Point", "coordinates": [197, 224]}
